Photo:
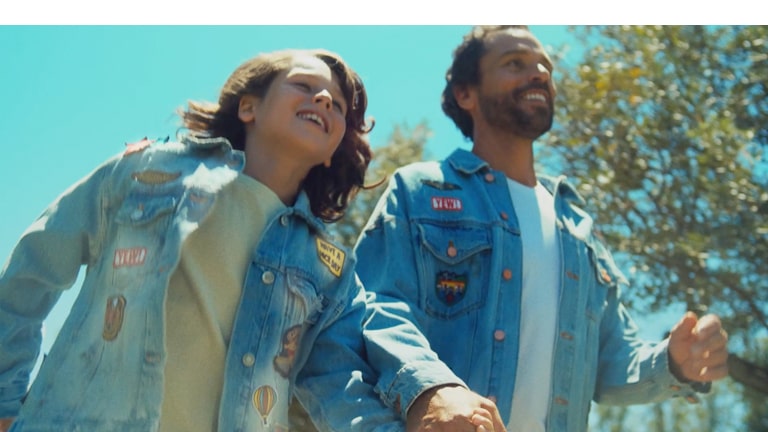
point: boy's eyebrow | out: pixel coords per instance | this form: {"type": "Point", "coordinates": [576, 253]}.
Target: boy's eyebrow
{"type": "Point", "coordinates": [334, 85]}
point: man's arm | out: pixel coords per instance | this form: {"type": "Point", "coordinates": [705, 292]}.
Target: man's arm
{"type": "Point", "coordinates": [412, 379]}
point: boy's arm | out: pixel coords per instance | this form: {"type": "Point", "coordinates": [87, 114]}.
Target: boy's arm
{"type": "Point", "coordinates": [45, 261]}
{"type": "Point", "coordinates": [335, 386]}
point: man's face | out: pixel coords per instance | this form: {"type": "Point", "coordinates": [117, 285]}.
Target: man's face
{"type": "Point", "coordinates": [516, 92]}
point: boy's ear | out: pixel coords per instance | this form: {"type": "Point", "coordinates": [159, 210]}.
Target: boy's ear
{"type": "Point", "coordinates": [246, 109]}
{"type": "Point", "coordinates": [466, 96]}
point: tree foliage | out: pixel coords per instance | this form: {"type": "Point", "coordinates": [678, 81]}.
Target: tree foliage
{"type": "Point", "coordinates": [404, 145]}
{"type": "Point", "coordinates": [664, 130]}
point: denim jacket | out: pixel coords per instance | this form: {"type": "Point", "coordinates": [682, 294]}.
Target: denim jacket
{"type": "Point", "coordinates": [126, 222]}
{"type": "Point", "coordinates": [443, 250]}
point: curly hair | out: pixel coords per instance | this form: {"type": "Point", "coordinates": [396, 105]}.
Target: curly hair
{"type": "Point", "coordinates": [329, 189]}
{"type": "Point", "coordinates": [465, 70]}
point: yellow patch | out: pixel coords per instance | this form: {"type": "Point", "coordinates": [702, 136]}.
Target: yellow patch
{"type": "Point", "coordinates": [331, 256]}
{"type": "Point", "coordinates": [155, 177]}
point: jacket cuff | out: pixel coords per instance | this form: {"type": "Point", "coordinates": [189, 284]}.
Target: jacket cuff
{"type": "Point", "coordinates": [10, 400]}
{"type": "Point", "coordinates": [414, 379]}
{"type": "Point", "coordinates": [677, 388]}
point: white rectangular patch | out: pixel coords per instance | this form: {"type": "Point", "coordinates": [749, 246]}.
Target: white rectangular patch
{"type": "Point", "coordinates": [447, 204]}
{"type": "Point", "coordinates": [129, 257]}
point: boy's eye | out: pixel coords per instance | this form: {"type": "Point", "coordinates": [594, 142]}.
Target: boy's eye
{"type": "Point", "coordinates": [339, 107]}
{"type": "Point", "coordinates": [303, 86]}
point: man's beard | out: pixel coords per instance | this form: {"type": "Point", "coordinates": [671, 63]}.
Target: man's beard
{"type": "Point", "coordinates": [503, 112]}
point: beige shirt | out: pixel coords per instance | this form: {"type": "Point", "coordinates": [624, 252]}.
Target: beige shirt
{"type": "Point", "coordinates": [202, 300]}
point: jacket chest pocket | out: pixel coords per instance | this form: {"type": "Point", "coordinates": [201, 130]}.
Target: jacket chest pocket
{"type": "Point", "coordinates": [142, 225]}
{"type": "Point", "coordinates": [604, 276]}
{"type": "Point", "coordinates": [454, 263]}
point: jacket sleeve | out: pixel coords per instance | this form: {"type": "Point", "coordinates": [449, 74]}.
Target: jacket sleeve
{"type": "Point", "coordinates": [45, 261]}
{"type": "Point", "coordinates": [336, 385]}
{"type": "Point", "coordinates": [396, 346]}
{"type": "Point", "coordinates": [632, 370]}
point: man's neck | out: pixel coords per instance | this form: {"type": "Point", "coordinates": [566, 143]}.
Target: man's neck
{"type": "Point", "coordinates": [512, 155]}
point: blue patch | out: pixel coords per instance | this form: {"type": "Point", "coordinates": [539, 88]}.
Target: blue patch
{"type": "Point", "coordinates": [444, 186]}
{"type": "Point", "coordinates": [450, 287]}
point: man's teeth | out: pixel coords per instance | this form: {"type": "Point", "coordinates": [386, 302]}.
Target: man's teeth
{"type": "Point", "coordinates": [313, 117]}
{"type": "Point", "coordinates": [535, 96]}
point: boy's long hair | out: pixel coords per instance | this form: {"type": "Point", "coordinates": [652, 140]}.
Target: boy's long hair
{"type": "Point", "coordinates": [329, 189]}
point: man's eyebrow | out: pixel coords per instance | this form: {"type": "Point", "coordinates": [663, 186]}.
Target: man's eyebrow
{"type": "Point", "coordinates": [520, 51]}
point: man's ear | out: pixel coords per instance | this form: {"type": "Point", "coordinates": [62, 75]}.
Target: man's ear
{"type": "Point", "coordinates": [466, 96]}
{"type": "Point", "coordinates": [246, 109]}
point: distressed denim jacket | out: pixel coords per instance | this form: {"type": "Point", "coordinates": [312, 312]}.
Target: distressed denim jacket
{"type": "Point", "coordinates": [126, 222]}
{"type": "Point", "coordinates": [443, 250]}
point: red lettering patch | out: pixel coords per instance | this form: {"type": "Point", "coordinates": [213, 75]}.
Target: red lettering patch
{"type": "Point", "coordinates": [130, 257]}
{"type": "Point", "coordinates": [447, 204]}
{"type": "Point", "coordinates": [137, 146]}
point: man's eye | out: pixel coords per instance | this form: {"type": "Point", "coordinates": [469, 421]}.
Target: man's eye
{"type": "Point", "coordinates": [303, 86]}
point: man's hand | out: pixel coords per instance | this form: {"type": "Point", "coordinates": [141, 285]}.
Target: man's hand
{"type": "Point", "coordinates": [697, 349]}
{"type": "Point", "coordinates": [5, 424]}
{"type": "Point", "coordinates": [453, 409]}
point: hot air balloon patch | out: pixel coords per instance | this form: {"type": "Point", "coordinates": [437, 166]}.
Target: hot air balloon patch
{"type": "Point", "coordinates": [264, 399]}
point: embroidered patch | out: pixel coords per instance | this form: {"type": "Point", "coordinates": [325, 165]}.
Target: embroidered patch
{"type": "Point", "coordinates": [155, 177]}
{"type": "Point", "coordinates": [264, 399]}
{"type": "Point", "coordinates": [604, 274]}
{"type": "Point", "coordinates": [331, 256]}
{"type": "Point", "coordinates": [446, 204]}
{"type": "Point", "coordinates": [450, 287]}
{"type": "Point", "coordinates": [284, 359]}
{"type": "Point", "coordinates": [440, 185]}
{"type": "Point", "coordinates": [113, 317]}
{"type": "Point", "coordinates": [138, 146]}
{"type": "Point", "coordinates": [130, 257]}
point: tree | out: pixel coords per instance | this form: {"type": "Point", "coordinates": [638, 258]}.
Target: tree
{"type": "Point", "coordinates": [664, 129]}
{"type": "Point", "coordinates": [405, 145]}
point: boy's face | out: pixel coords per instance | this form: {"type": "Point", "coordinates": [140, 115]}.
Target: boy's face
{"type": "Point", "coordinates": [303, 113]}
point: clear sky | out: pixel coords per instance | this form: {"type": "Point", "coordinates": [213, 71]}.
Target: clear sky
{"type": "Point", "coordinates": [73, 96]}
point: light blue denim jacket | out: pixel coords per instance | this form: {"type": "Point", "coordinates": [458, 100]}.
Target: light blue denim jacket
{"type": "Point", "coordinates": [443, 250]}
{"type": "Point", "coordinates": [126, 221]}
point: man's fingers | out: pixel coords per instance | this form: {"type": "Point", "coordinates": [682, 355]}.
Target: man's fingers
{"type": "Point", "coordinates": [482, 422]}
{"type": "Point", "coordinates": [711, 359]}
{"type": "Point", "coordinates": [715, 342]}
{"type": "Point", "coordinates": [713, 373]}
{"type": "Point", "coordinates": [684, 328]}
{"type": "Point", "coordinates": [708, 325]}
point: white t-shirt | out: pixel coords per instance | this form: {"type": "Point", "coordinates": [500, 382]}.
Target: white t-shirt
{"type": "Point", "coordinates": [535, 209]}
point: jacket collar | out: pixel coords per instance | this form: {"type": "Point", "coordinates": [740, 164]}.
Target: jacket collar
{"type": "Point", "coordinates": [469, 163]}
{"type": "Point", "coordinates": [466, 162]}
{"type": "Point", "coordinates": [202, 142]}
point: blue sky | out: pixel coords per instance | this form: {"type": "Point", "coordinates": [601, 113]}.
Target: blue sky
{"type": "Point", "coordinates": [73, 96]}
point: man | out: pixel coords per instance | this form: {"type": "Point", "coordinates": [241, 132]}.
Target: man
{"type": "Point", "coordinates": [499, 268]}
